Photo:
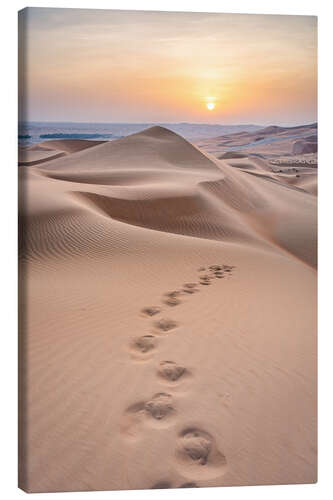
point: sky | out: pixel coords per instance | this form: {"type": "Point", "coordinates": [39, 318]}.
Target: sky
{"type": "Point", "coordinates": [134, 66]}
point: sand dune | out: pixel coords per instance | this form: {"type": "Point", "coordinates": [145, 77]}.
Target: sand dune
{"type": "Point", "coordinates": [287, 154]}
{"type": "Point", "coordinates": [304, 147]}
{"type": "Point", "coordinates": [29, 158]}
{"type": "Point", "coordinates": [268, 142]}
{"type": "Point", "coordinates": [170, 339]}
{"type": "Point", "coordinates": [50, 150]}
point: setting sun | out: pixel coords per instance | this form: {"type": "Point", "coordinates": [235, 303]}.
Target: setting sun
{"type": "Point", "coordinates": [210, 106]}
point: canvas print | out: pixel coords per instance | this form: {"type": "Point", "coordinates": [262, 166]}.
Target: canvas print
{"type": "Point", "coordinates": [168, 243]}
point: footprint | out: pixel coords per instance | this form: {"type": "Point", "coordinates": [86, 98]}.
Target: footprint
{"type": "Point", "coordinates": [165, 325]}
{"type": "Point", "coordinates": [171, 371]}
{"type": "Point", "coordinates": [172, 301]}
{"type": "Point", "coordinates": [197, 446]}
{"type": "Point", "coordinates": [158, 410]}
{"type": "Point", "coordinates": [215, 268]}
{"type": "Point", "coordinates": [161, 485]}
{"type": "Point", "coordinates": [228, 268]}
{"type": "Point", "coordinates": [201, 269]}
{"type": "Point", "coordinates": [160, 406]}
{"type": "Point", "coordinates": [198, 456]}
{"type": "Point", "coordinates": [173, 294]}
{"type": "Point", "coordinates": [143, 345]}
{"type": "Point", "coordinates": [205, 280]}
{"type": "Point", "coordinates": [190, 288]}
{"type": "Point", "coordinates": [190, 285]}
{"type": "Point", "coordinates": [151, 311]}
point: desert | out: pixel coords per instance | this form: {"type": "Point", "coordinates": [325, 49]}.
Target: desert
{"type": "Point", "coordinates": [168, 310]}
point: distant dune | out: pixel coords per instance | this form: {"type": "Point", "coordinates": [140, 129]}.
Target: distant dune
{"type": "Point", "coordinates": [232, 154]}
{"type": "Point", "coordinates": [52, 149]}
{"type": "Point", "coordinates": [290, 148]}
{"type": "Point", "coordinates": [305, 146]}
{"type": "Point", "coordinates": [171, 326]}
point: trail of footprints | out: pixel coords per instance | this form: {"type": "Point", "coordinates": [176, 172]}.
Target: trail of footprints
{"type": "Point", "coordinates": [196, 451]}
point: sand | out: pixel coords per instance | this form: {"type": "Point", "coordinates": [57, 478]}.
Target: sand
{"type": "Point", "coordinates": [287, 155]}
{"type": "Point", "coordinates": [50, 150]}
{"type": "Point", "coordinates": [168, 318]}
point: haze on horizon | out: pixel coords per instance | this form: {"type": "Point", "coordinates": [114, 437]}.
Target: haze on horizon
{"type": "Point", "coordinates": [135, 66]}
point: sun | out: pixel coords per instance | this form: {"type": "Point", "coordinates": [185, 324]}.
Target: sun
{"type": "Point", "coordinates": [210, 106]}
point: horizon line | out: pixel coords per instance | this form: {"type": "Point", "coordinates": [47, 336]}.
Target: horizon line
{"type": "Point", "coordinates": [169, 123]}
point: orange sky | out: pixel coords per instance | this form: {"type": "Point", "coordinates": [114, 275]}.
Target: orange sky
{"type": "Point", "coordinates": [118, 66]}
